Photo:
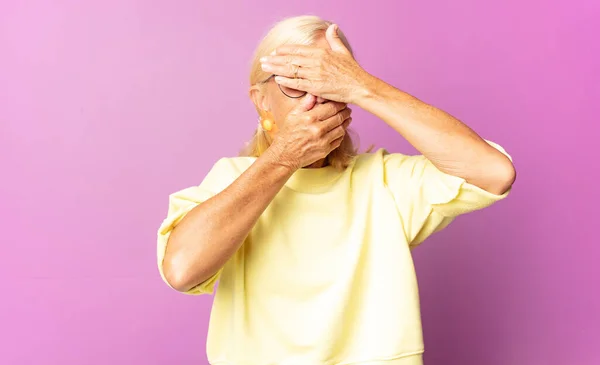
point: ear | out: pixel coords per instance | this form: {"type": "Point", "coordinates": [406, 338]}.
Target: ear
{"type": "Point", "coordinates": [259, 98]}
{"type": "Point", "coordinates": [261, 102]}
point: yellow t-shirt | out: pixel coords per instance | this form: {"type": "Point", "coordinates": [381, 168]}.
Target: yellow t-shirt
{"type": "Point", "coordinates": [326, 276]}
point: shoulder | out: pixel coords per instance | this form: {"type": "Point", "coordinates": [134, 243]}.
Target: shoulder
{"type": "Point", "coordinates": [368, 158]}
{"type": "Point", "coordinates": [382, 158]}
{"type": "Point", "coordinates": [234, 166]}
{"type": "Point", "coordinates": [394, 168]}
{"type": "Point", "coordinates": [374, 166]}
{"type": "Point", "coordinates": [225, 170]}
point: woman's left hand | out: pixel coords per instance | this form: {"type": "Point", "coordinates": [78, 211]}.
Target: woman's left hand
{"type": "Point", "coordinates": [332, 74]}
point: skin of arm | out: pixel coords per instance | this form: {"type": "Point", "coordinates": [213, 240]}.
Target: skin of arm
{"type": "Point", "coordinates": [210, 234]}
{"type": "Point", "coordinates": [448, 143]}
{"type": "Point", "coordinates": [451, 146]}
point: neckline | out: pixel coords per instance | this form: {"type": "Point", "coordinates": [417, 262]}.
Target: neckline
{"type": "Point", "coordinates": [313, 180]}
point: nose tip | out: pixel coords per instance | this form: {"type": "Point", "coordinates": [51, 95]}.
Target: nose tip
{"type": "Point", "coordinates": [320, 100]}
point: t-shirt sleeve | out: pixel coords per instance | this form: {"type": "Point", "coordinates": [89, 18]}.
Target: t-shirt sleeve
{"type": "Point", "coordinates": [428, 199]}
{"type": "Point", "coordinates": [181, 203]}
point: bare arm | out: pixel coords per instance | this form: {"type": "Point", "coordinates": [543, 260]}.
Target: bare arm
{"type": "Point", "coordinates": [449, 144]}
{"type": "Point", "coordinates": [444, 140]}
{"type": "Point", "coordinates": [213, 231]}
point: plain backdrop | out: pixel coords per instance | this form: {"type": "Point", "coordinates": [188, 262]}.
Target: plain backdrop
{"type": "Point", "coordinates": [107, 107]}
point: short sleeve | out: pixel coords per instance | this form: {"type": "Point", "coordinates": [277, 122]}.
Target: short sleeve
{"type": "Point", "coordinates": [181, 203]}
{"type": "Point", "coordinates": [428, 199]}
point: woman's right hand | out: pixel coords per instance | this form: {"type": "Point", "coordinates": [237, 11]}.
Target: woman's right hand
{"type": "Point", "coordinates": [309, 133]}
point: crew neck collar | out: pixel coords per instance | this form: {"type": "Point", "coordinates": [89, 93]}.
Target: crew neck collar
{"type": "Point", "coordinates": [313, 180]}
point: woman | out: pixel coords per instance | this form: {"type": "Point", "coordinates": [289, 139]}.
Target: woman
{"type": "Point", "coordinates": [309, 240]}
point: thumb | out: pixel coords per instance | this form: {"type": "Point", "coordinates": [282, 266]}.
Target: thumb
{"type": "Point", "coordinates": [306, 104]}
{"type": "Point", "coordinates": [333, 38]}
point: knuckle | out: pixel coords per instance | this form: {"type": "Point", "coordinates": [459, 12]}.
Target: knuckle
{"type": "Point", "coordinates": [315, 131]}
{"type": "Point", "coordinates": [332, 109]}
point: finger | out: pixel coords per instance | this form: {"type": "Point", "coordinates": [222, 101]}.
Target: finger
{"type": "Point", "coordinates": [336, 143]}
{"type": "Point", "coordinates": [306, 104]}
{"type": "Point", "coordinates": [346, 123]}
{"type": "Point", "coordinates": [334, 40]}
{"type": "Point", "coordinates": [298, 84]}
{"type": "Point", "coordinates": [299, 49]}
{"type": "Point", "coordinates": [302, 61]}
{"type": "Point", "coordinates": [327, 110]}
{"type": "Point", "coordinates": [335, 134]}
{"type": "Point", "coordinates": [337, 120]}
{"type": "Point", "coordinates": [289, 70]}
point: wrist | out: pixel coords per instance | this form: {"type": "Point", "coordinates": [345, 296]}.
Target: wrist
{"type": "Point", "coordinates": [275, 158]}
{"type": "Point", "coordinates": [366, 90]}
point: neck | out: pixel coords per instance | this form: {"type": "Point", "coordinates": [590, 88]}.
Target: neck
{"type": "Point", "coordinates": [317, 164]}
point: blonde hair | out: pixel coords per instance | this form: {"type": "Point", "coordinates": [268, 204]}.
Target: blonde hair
{"type": "Point", "coordinates": [304, 30]}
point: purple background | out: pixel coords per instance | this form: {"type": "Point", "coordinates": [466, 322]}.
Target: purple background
{"type": "Point", "coordinates": [106, 107]}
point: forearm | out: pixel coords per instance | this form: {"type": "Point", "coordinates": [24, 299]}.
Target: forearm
{"type": "Point", "coordinates": [448, 143]}
{"type": "Point", "coordinates": [213, 231]}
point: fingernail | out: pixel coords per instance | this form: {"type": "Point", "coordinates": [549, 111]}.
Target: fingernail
{"type": "Point", "coordinates": [274, 53]}
{"type": "Point", "coordinates": [266, 67]}
{"type": "Point", "coordinates": [263, 59]}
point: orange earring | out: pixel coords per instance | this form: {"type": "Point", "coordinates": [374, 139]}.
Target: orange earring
{"type": "Point", "coordinates": [267, 124]}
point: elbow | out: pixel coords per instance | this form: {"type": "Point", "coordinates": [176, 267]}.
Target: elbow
{"type": "Point", "coordinates": [176, 274]}
{"type": "Point", "coordinates": [494, 173]}
{"type": "Point", "coordinates": [504, 176]}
